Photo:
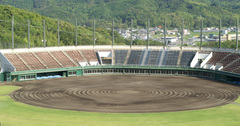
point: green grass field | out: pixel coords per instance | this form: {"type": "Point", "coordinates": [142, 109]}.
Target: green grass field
{"type": "Point", "coordinates": [18, 114]}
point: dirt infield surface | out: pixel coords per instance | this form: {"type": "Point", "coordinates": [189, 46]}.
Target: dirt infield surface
{"type": "Point", "coordinates": [126, 93]}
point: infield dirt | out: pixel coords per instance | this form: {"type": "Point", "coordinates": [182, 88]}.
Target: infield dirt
{"type": "Point", "coordinates": [126, 93]}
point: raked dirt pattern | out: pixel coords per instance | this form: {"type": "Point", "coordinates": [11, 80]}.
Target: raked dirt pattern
{"type": "Point", "coordinates": [126, 93]}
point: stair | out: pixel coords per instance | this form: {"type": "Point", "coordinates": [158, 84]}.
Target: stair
{"type": "Point", "coordinates": [223, 58]}
{"type": "Point", "coordinates": [24, 62]}
{"type": "Point", "coordinates": [232, 63]}
{"type": "Point", "coordinates": [179, 58]}
{"type": "Point", "coordinates": [83, 56]}
{"type": "Point", "coordinates": [144, 57]}
{"type": "Point", "coordinates": [55, 59]}
{"type": "Point", "coordinates": [113, 57]}
{"type": "Point", "coordinates": [162, 57]}
{"type": "Point", "coordinates": [40, 61]}
{"type": "Point", "coordinates": [128, 54]}
{"type": "Point", "coordinates": [70, 58]}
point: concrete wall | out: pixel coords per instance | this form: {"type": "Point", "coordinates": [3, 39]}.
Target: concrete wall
{"type": "Point", "coordinates": [6, 66]}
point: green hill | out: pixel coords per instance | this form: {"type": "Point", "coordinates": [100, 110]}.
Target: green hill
{"type": "Point", "coordinates": [139, 10]}
{"type": "Point", "coordinates": [67, 31]}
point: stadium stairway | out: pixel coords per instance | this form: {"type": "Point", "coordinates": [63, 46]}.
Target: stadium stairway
{"type": "Point", "coordinates": [113, 56]}
{"type": "Point", "coordinates": [70, 58]}
{"type": "Point", "coordinates": [128, 54]}
{"type": "Point", "coordinates": [55, 59]}
{"type": "Point", "coordinates": [223, 59]}
{"type": "Point", "coordinates": [145, 54]}
{"type": "Point", "coordinates": [24, 62]}
{"type": "Point", "coordinates": [40, 61]}
{"type": "Point", "coordinates": [83, 56]}
{"type": "Point", "coordinates": [179, 58]}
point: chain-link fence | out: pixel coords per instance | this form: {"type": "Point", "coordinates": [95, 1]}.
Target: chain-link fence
{"type": "Point", "coordinates": [24, 33]}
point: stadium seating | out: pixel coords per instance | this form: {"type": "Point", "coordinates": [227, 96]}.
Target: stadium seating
{"type": "Point", "coordinates": [17, 62]}
{"type": "Point", "coordinates": [32, 61]}
{"type": "Point", "coordinates": [217, 56]}
{"type": "Point", "coordinates": [75, 55]}
{"type": "Point", "coordinates": [90, 55]}
{"type": "Point", "coordinates": [229, 58]}
{"type": "Point", "coordinates": [172, 58]}
{"type": "Point", "coordinates": [63, 59]}
{"type": "Point", "coordinates": [120, 56]}
{"type": "Point", "coordinates": [48, 60]}
{"type": "Point", "coordinates": [71, 58]}
{"type": "Point", "coordinates": [153, 57]}
{"type": "Point", "coordinates": [135, 57]}
{"type": "Point", "coordinates": [186, 58]}
{"type": "Point", "coordinates": [232, 66]}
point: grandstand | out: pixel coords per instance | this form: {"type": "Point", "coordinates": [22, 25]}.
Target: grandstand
{"type": "Point", "coordinates": [53, 62]}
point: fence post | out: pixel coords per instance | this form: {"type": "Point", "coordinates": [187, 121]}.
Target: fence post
{"type": "Point", "coordinates": [237, 25]}
{"type": "Point", "coordinates": [112, 32]}
{"type": "Point", "coordinates": [220, 24]}
{"type": "Point", "coordinates": [182, 33]}
{"type": "Point", "coordinates": [76, 42]}
{"type": "Point", "coordinates": [28, 33]}
{"type": "Point", "coordinates": [13, 32]}
{"type": "Point", "coordinates": [44, 37]}
{"type": "Point", "coordinates": [58, 29]}
{"type": "Point", "coordinates": [201, 34]}
{"type": "Point", "coordinates": [148, 34]}
{"type": "Point", "coordinates": [131, 33]}
{"type": "Point", "coordinates": [94, 42]}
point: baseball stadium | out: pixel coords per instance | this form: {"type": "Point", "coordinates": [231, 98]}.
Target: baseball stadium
{"type": "Point", "coordinates": [119, 85]}
{"type": "Point", "coordinates": [113, 85]}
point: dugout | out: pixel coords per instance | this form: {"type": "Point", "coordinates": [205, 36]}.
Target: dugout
{"type": "Point", "coordinates": [42, 74]}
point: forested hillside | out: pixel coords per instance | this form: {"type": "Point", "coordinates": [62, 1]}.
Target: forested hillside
{"type": "Point", "coordinates": [139, 10]}
{"type": "Point", "coordinates": [67, 31]}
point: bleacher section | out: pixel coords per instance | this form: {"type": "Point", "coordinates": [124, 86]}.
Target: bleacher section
{"type": "Point", "coordinates": [17, 62]}
{"type": "Point", "coordinates": [32, 61]}
{"type": "Point", "coordinates": [90, 55]}
{"type": "Point", "coordinates": [135, 57]}
{"type": "Point", "coordinates": [237, 70]}
{"type": "Point", "coordinates": [63, 59]}
{"type": "Point", "coordinates": [153, 57]}
{"type": "Point", "coordinates": [217, 56]}
{"type": "Point", "coordinates": [233, 66]}
{"type": "Point", "coordinates": [172, 58]}
{"type": "Point", "coordinates": [26, 61]}
{"type": "Point", "coordinates": [54, 59]}
{"type": "Point", "coordinates": [163, 58]}
{"type": "Point", "coordinates": [120, 56]}
{"type": "Point", "coordinates": [229, 58]}
{"type": "Point", "coordinates": [48, 60]}
{"type": "Point", "coordinates": [186, 58]}
{"type": "Point", "coordinates": [75, 55]}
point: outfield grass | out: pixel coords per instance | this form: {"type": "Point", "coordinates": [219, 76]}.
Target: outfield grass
{"type": "Point", "coordinates": [18, 114]}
